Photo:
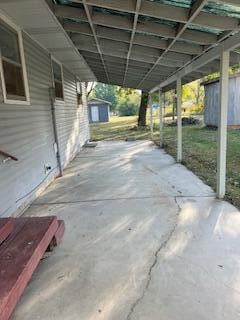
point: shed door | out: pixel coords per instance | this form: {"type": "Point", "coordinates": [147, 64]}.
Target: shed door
{"type": "Point", "coordinates": [103, 113]}
{"type": "Point", "coordinates": [95, 114]}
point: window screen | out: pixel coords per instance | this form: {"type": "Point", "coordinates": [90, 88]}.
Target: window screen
{"type": "Point", "coordinates": [58, 84]}
{"type": "Point", "coordinates": [11, 62]}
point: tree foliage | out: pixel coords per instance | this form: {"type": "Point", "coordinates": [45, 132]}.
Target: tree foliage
{"type": "Point", "coordinates": [105, 92]}
{"type": "Point", "coordinates": [128, 101]}
{"type": "Point", "coordinates": [124, 101]}
{"type": "Point", "coordinates": [194, 93]}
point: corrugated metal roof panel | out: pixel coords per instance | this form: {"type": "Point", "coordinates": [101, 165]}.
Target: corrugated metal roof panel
{"type": "Point", "coordinates": [177, 3]}
{"type": "Point", "coordinates": [223, 9]}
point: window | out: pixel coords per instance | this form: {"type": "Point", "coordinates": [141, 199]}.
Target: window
{"type": "Point", "coordinates": [13, 72]}
{"type": "Point", "coordinates": [79, 93]}
{"type": "Point", "coordinates": [58, 82]}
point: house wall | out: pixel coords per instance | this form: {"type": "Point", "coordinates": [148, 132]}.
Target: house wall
{"type": "Point", "coordinates": [72, 120]}
{"type": "Point", "coordinates": [26, 131]}
{"type": "Point", "coordinates": [212, 103]}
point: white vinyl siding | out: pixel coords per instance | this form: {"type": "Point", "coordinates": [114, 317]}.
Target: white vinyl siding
{"type": "Point", "coordinates": [26, 131]}
{"type": "Point", "coordinates": [72, 130]}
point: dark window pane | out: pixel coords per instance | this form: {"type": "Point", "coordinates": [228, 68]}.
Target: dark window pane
{"type": "Point", "coordinates": [58, 90]}
{"type": "Point", "coordinates": [57, 71]}
{"type": "Point", "coordinates": [57, 74]}
{"type": "Point", "coordinates": [9, 44]}
{"type": "Point", "coordinates": [13, 80]}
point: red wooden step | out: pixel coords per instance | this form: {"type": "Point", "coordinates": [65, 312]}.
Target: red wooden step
{"type": "Point", "coordinates": [59, 233]}
{"type": "Point", "coordinates": [6, 227]}
{"type": "Point", "coordinates": [58, 236]}
{"type": "Point", "coordinates": [20, 254]}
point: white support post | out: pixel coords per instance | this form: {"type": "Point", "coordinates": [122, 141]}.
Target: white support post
{"type": "Point", "coordinates": [164, 108]}
{"type": "Point", "coordinates": [151, 116]}
{"type": "Point", "coordinates": [179, 120]}
{"type": "Point", "coordinates": [222, 125]}
{"type": "Point", "coordinates": [160, 119]}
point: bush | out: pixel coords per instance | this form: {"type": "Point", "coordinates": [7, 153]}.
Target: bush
{"type": "Point", "coordinates": [127, 109]}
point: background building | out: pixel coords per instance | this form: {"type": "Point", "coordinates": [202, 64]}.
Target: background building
{"type": "Point", "coordinates": [98, 110]}
{"type": "Point", "coordinates": [211, 105]}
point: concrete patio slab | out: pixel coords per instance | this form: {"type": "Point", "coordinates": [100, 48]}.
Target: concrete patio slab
{"type": "Point", "coordinates": [145, 239]}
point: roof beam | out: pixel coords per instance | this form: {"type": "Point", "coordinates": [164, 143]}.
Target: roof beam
{"type": "Point", "coordinates": [140, 69]}
{"type": "Point", "coordinates": [147, 41]}
{"type": "Point", "coordinates": [155, 42]}
{"type": "Point", "coordinates": [89, 17]}
{"type": "Point", "coordinates": [124, 23]}
{"type": "Point", "coordinates": [135, 56]}
{"type": "Point", "coordinates": [135, 20]}
{"type": "Point", "coordinates": [230, 44]}
{"type": "Point", "coordinates": [132, 75]}
{"type": "Point", "coordinates": [129, 84]}
{"type": "Point", "coordinates": [167, 12]}
{"type": "Point", "coordinates": [84, 41]}
{"type": "Point", "coordinates": [118, 68]}
{"type": "Point", "coordinates": [114, 70]}
{"type": "Point", "coordinates": [193, 13]}
{"type": "Point", "coordinates": [118, 60]}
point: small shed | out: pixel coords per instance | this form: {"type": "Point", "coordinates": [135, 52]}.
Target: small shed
{"type": "Point", "coordinates": [98, 110]}
{"type": "Point", "coordinates": [211, 108]}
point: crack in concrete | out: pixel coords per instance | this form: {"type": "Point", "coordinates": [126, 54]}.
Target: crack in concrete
{"type": "Point", "coordinates": [121, 198]}
{"type": "Point", "coordinates": [178, 206]}
{"type": "Point", "coordinates": [155, 261]}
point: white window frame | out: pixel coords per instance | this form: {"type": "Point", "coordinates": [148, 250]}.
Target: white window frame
{"type": "Point", "coordinates": [53, 80]}
{"type": "Point", "coordinates": [23, 64]}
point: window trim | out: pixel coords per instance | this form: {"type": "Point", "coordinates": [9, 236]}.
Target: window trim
{"type": "Point", "coordinates": [53, 80]}
{"type": "Point", "coordinates": [6, 100]}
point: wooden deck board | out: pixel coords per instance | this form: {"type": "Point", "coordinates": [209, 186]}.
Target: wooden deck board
{"type": "Point", "coordinates": [6, 227]}
{"type": "Point", "coordinates": [59, 233]}
{"type": "Point", "coordinates": [20, 254]}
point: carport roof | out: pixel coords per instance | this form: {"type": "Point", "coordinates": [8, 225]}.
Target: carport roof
{"type": "Point", "coordinates": [141, 43]}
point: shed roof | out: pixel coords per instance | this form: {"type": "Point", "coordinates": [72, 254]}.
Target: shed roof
{"type": "Point", "coordinates": [98, 101]}
{"type": "Point", "coordinates": [214, 80]}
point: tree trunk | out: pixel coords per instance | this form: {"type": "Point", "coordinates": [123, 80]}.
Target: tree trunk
{"type": "Point", "coordinates": [174, 105]}
{"type": "Point", "coordinates": [143, 110]}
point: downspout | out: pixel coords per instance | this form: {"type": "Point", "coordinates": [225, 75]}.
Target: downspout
{"type": "Point", "coordinates": [85, 103]}
{"type": "Point", "coordinates": [52, 99]}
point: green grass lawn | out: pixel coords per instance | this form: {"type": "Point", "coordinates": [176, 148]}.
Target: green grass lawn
{"type": "Point", "coordinates": [199, 148]}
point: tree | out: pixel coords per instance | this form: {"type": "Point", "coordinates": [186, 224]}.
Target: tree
{"type": "Point", "coordinates": [128, 102]}
{"type": "Point", "coordinates": [105, 92]}
{"type": "Point", "coordinates": [143, 110]}
{"type": "Point", "coordinates": [194, 93]}
{"type": "Point", "coordinates": [127, 109]}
